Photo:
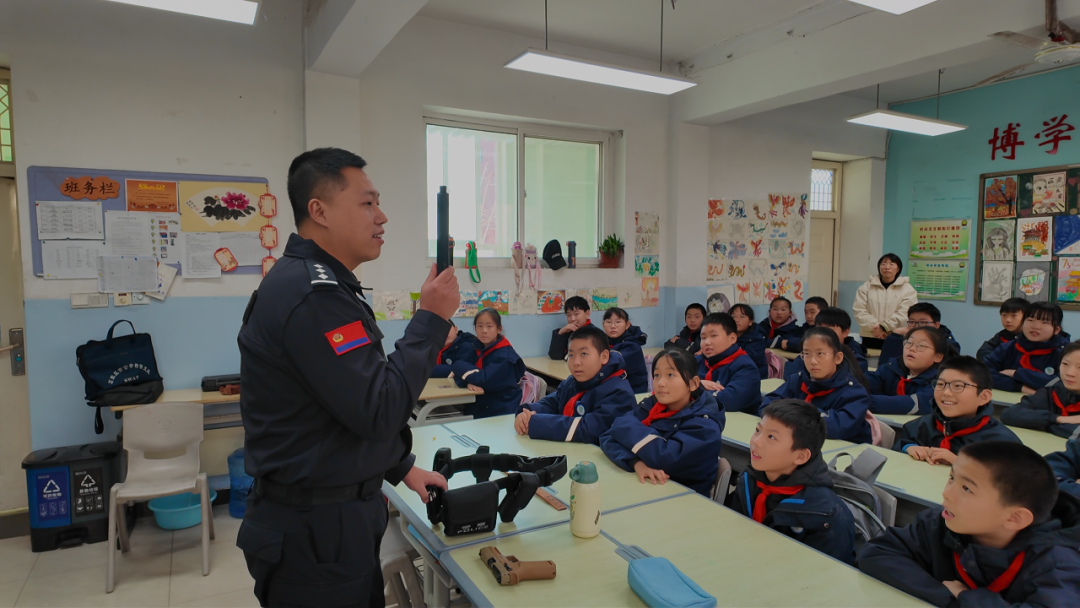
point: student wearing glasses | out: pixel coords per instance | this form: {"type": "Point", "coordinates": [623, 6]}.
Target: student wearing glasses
{"type": "Point", "coordinates": [923, 314]}
{"type": "Point", "coordinates": [905, 384]}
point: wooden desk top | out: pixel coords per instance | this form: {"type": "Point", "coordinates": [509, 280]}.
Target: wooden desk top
{"type": "Point", "coordinates": [783, 354]}
{"type": "Point", "coordinates": [1043, 443]}
{"type": "Point", "coordinates": [652, 351]}
{"type": "Point", "coordinates": [769, 385]}
{"type": "Point", "coordinates": [1006, 397]}
{"type": "Point", "coordinates": [547, 367]}
{"type": "Point", "coordinates": [873, 352]}
{"type": "Point", "coordinates": [443, 388]}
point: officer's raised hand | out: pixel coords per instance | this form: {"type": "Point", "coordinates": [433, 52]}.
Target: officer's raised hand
{"type": "Point", "coordinates": [439, 293]}
{"type": "Point", "coordinates": [418, 481]}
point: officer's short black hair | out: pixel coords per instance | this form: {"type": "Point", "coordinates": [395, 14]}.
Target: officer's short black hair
{"type": "Point", "coordinates": [971, 367]}
{"type": "Point", "coordinates": [576, 303]}
{"type": "Point", "coordinates": [833, 317]}
{"type": "Point", "coordinates": [593, 334]}
{"type": "Point", "coordinates": [927, 309]}
{"type": "Point", "coordinates": [722, 319]}
{"type": "Point", "coordinates": [314, 171]}
{"type": "Point", "coordinates": [804, 420]}
{"type": "Point", "coordinates": [1022, 477]}
{"type": "Point", "coordinates": [1014, 305]}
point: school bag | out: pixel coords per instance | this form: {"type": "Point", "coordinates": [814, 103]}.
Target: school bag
{"type": "Point", "coordinates": [533, 388]}
{"type": "Point", "coordinates": [874, 509]}
{"type": "Point", "coordinates": [119, 370]}
{"type": "Point", "coordinates": [775, 364]}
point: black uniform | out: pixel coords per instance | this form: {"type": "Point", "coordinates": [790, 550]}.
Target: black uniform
{"type": "Point", "coordinates": [326, 421]}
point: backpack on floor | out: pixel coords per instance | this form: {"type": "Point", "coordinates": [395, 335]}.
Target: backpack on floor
{"type": "Point", "coordinates": [874, 510]}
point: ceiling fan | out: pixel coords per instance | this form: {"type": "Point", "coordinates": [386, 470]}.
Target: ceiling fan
{"type": "Point", "coordinates": [1060, 47]}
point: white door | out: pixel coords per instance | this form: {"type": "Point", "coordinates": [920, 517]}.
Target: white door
{"type": "Point", "coordinates": [822, 231]}
{"type": "Point", "coordinates": [825, 182]}
{"type": "Point", "coordinates": [14, 390]}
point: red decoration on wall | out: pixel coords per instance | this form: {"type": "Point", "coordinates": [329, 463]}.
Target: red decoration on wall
{"type": "Point", "coordinates": [1054, 132]}
{"type": "Point", "coordinates": [1005, 143]}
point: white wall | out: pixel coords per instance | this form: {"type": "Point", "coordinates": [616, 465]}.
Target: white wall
{"type": "Point", "coordinates": [862, 215]}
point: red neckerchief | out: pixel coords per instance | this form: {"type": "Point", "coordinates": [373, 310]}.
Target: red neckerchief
{"type": "Point", "coordinates": [766, 491]}
{"type": "Point", "coordinates": [438, 360]}
{"type": "Point", "coordinates": [1025, 359]}
{"type": "Point", "coordinates": [503, 343]}
{"type": "Point", "coordinates": [1066, 410]}
{"type": "Point", "coordinates": [1000, 583]}
{"type": "Point", "coordinates": [811, 396]}
{"type": "Point", "coordinates": [901, 387]}
{"type": "Point", "coordinates": [568, 409]}
{"type": "Point", "coordinates": [659, 411]}
{"type": "Point", "coordinates": [773, 327]}
{"type": "Point", "coordinates": [946, 442]}
{"type": "Point", "coordinates": [727, 360]}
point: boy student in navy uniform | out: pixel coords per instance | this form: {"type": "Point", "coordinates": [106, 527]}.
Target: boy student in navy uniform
{"type": "Point", "coordinates": [1055, 408]}
{"type": "Point", "coordinates": [586, 403]}
{"type": "Point", "coordinates": [833, 383]}
{"type": "Point", "coordinates": [787, 485]}
{"type": "Point", "coordinates": [496, 375]}
{"type": "Point", "coordinates": [1030, 362]}
{"type": "Point", "coordinates": [751, 339]}
{"type": "Point", "coordinates": [921, 314]}
{"type": "Point", "coordinates": [811, 308]}
{"type": "Point", "coordinates": [690, 336]}
{"type": "Point", "coordinates": [838, 320]}
{"type": "Point", "coordinates": [577, 316]}
{"type": "Point", "coordinates": [1012, 313]}
{"type": "Point", "coordinates": [781, 323]}
{"type": "Point", "coordinates": [675, 433]}
{"type": "Point", "coordinates": [1003, 536]}
{"type": "Point", "coordinates": [724, 367]}
{"type": "Point", "coordinates": [628, 340]}
{"type": "Point", "coordinates": [962, 414]}
{"type": "Point", "coordinates": [459, 346]}
{"type": "Point", "coordinates": [1066, 467]}
{"type": "Point", "coordinates": [906, 385]}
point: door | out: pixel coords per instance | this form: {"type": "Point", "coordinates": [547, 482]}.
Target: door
{"type": "Point", "coordinates": [822, 245]}
{"type": "Point", "coordinates": [14, 390]}
{"type": "Point", "coordinates": [825, 181]}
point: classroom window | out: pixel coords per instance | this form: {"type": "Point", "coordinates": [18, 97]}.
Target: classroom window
{"type": "Point", "coordinates": [7, 145]}
{"type": "Point", "coordinates": [822, 182]}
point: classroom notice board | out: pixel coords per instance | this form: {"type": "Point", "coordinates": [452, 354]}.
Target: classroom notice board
{"type": "Point", "coordinates": [109, 189]}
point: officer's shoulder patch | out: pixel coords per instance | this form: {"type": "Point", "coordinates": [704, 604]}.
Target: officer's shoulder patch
{"type": "Point", "coordinates": [348, 337]}
{"type": "Point", "coordinates": [321, 276]}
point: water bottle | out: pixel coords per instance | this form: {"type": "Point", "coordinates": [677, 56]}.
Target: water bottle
{"type": "Point", "coordinates": [571, 254]}
{"type": "Point", "coordinates": [584, 500]}
{"type": "Point", "coordinates": [239, 484]}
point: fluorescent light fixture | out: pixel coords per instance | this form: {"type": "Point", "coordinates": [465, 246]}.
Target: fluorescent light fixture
{"type": "Point", "coordinates": [896, 7]}
{"type": "Point", "coordinates": [553, 64]}
{"type": "Point", "coordinates": [887, 119]}
{"type": "Point", "coordinates": [237, 11]}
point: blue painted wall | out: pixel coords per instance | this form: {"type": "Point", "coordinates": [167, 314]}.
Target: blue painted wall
{"type": "Point", "coordinates": [953, 163]}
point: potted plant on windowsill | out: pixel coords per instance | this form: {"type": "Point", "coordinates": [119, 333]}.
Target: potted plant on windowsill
{"type": "Point", "coordinates": [611, 250]}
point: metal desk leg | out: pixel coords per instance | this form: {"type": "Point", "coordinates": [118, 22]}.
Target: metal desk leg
{"type": "Point", "coordinates": [437, 581]}
{"type": "Point", "coordinates": [430, 406]}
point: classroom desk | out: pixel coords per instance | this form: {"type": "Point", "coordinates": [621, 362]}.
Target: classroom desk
{"type": "Point", "coordinates": [652, 351]}
{"type": "Point", "coordinates": [769, 385]}
{"type": "Point", "coordinates": [783, 354]}
{"type": "Point", "coordinates": [551, 369]}
{"type": "Point", "coordinates": [873, 352]}
{"type": "Point", "coordinates": [439, 393]}
{"type": "Point", "coordinates": [1006, 398]}
{"type": "Point", "coordinates": [738, 430]}
{"type": "Point", "coordinates": [1043, 443]}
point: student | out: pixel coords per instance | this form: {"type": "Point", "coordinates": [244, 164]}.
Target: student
{"type": "Point", "coordinates": [628, 340]}
{"type": "Point", "coordinates": [675, 433]}
{"type": "Point", "coordinates": [690, 336]}
{"type": "Point", "coordinates": [922, 314]}
{"type": "Point", "coordinates": [787, 485]}
{"type": "Point", "coordinates": [751, 339]}
{"type": "Point", "coordinates": [1003, 536]}
{"type": "Point", "coordinates": [577, 316]}
{"type": "Point", "coordinates": [585, 404]}
{"type": "Point", "coordinates": [1056, 408]}
{"type": "Point", "coordinates": [1066, 467]}
{"type": "Point", "coordinates": [1030, 362]}
{"type": "Point", "coordinates": [838, 320]}
{"type": "Point", "coordinates": [780, 325]}
{"type": "Point", "coordinates": [724, 367]}
{"type": "Point", "coordinates": [962, 415]}
{"type": "Point", "coordinates": [1012, 313]}
{"type": "Point", "coordinates": [906, 385]}
{"type": "Point", "coordinates": [811, 308]}
{"type": "Point", "coordinates": [833, 383]}
{"type": "Point", "coordinates": [496, 373]}
{"type": "Point", "coordinates": [459, 346]}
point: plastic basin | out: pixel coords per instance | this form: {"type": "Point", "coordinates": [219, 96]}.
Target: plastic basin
{"type": "Point", "coordinates": [178, 511]}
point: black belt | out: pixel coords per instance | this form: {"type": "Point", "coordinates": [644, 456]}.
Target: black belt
{"type": "Point", "coordinates": [307, 497]}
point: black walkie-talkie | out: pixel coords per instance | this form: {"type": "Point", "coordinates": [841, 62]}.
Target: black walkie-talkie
{"type": "Point", "coordinates": [442, 223]}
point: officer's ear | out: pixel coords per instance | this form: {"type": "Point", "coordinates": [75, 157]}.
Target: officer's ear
{"type": "Point", "coordinates": [317, 209]}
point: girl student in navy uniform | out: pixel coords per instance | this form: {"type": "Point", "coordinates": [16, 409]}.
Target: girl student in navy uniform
{"type": "Point", "coordinates": [905, 385]}
{"type": "Point", "coordinates": [724, 367]}
{"type": "Point", "coordinates": [675, 433]}
{"type": "Point", "coordinates": [781, 323]}
{"type": "Point", "coordinates": [628, 339]}
{"type": "Point", "coordinates": [1055, 408]}
{"type": "Point", "coordinates": [751, 339]}
{"type": "Point", "coordinates": [833, 383]}
{"type": "Point", "coordinates": [690, 336]}
{"type": "Point", "coordinates": [496, 375]}
{"type": "Point", "coordinates": [459, 346]}
{"type": "Point", "coordinates": [1030, 362]}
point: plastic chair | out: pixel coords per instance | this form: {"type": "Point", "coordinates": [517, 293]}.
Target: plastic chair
{"type": "Point", "coordinates": [160, 428]}
{"type": "Point", "coordinates": [403, 586]}
{"type": "Point", "coordinates": [723, 481]}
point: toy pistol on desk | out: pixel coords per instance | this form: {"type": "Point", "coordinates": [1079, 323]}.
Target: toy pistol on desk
{"type": "Point", "coordinates": [508, 570]}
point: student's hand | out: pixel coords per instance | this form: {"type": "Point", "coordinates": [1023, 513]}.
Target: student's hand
{"type": "Point", "coordinates": [673, 338]}
{"type": "Point", "coordinates": [783, 344]}
{"type": "Point", "coordinates": [1068, 419]}
{"type": "Point", "coordinates": [711, 386]}
{"type": "Point", "coordinates": [1027, 390]}
{"type": "Point", "coordinates": [475, 389]}
{"type": "Point", "coordinates": [656, 476]}
{"type": "Point", "coordinates": [955, 587]}
{"type": "Point", "coordinates": [940, 456]}
{"type": "Point", "coordinates": [919, 452]}
{"type": "Point", "coordinates": [418, 480]}
{"type": "Point", "coordinates": [521, 423]}
{"type": "Point", "coordinates": [569, 327]}
{"type": "Point", "coordinates": [439, 293]}
{"type": "Point", "coordinates": [1007, 372]}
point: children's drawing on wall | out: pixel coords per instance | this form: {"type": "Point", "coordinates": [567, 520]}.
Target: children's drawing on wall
{"type": "Point", "coordinates": [720, 298]}
{"type": "Point", "coordinates": [392, 305]}
{"type": "Point", "coordinates": [629, 296]}
{"type": "Point", "coordinates": [798, 228]}
{"type": "Point", "coordinates": [777, 249]}
{"type": "Point", "coordinates": [742, 292]}
{"type": "Point", "coordinates": [737, 210]}
{"type": "Point", "coordinates": [998, 240]}
{"type": "Point", "coordinates": [469, 305]}
{"type": "Point", "coordinates": [757, 292]}
{"type": "Point", "coordinates": [1048, 193]}
{"type": "Point", "coordinates": [797, 291]}
{"type": "Point", "coordinates": [646, 223]}
{"type": "Point", "coordinates": [646, 244]}
{"type": "Point", "coordinates": [736, 230]}
{"type": "Point", "coordinates": [1034, 238]}
{"type": "Point", "coordinates": [604, 298]}
{"type": "Point", "coordinates": [1032, 281]}
{"type": "Point", "coordinates": [523, 302]}
{"type": "Point", "coordinates": [650, 291]}
{"type": "Point", "coordinates": [756, 248]}
{"type": "Point", "coordinates": [804, 205]}
{"type": "Point", "coordinates": [550, 301]}
{"type": "Point", "coordinates": [758, 229]}
{"type": "Point", "coordinates": [1068, 280]}
{"type": "Point", "coordinates": [499, 300]}
{"type": "Point", "coordinates": [788, 202]}
{"type": "Point", "coordinates": [997, 281]}
{"type": "Point", "coordinates": [735, 271]}
{"type": "Point", "coordinates": [1067, 235]}
{"type": "Point", "coordinates": [758, 269]}
{"type": "Point", "coordinates": [716, 208]}
{"type": "Point", "coordinates": [796, 248]}
{"type": "Point", "coordinates": [736, 250]}
{"type": "Point", "coordinates": [999, 197]}
{"type": "Point", "coordinates": [760, 209]}
{"type": "Point", "coordinates": [776, 202]}
{"type": "Point", "coordinates": [646, 265]}
{"type": "Point", "coordinates": [778, 229]}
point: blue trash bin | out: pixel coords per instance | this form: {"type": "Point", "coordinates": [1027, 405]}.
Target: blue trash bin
{"type": "Point", "coordinates": [239, 484]}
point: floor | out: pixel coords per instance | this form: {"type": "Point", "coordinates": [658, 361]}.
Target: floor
{"type": "Point", "coordinates": [163, 568]}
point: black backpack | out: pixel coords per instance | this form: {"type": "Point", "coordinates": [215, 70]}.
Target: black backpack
{"type": "Point", "coordinates": [119, 371]}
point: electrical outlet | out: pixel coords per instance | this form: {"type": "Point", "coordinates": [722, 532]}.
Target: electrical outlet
{"type": "Point", "coordinates": [140, 299]}
{"type": "Point", "coordinates": [89, 300]}
{"type": "Point", "coordinates": [122, 299]}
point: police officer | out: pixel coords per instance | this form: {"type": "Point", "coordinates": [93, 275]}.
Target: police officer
{"type": "Point", "coordinates": [325, 410]}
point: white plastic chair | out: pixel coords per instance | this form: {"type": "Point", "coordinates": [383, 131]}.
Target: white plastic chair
{"type": "Point", "coordinates": [160, 428]}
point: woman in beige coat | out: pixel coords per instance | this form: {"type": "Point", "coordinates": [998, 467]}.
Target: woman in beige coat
{"type": "Point", "coordinates": [881, 304]}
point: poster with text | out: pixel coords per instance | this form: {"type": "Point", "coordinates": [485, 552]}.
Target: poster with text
{"type": "Point", "coordinates": [1068, 280]}
{"type": "Point", "coordinates": [999, 237]}
{"type": "Point", "coordinates": [152, 196]}
{"type": "Point", "coordinates": [996, 281]}
{"type": "Point", "coordinates": [1032, 281]}
{"type": "Point", "coordinates": [940, 279]}
{"type": "Point", "coordinates": [941, 239]}
{"type": "Point", "coordinates": [1034, 238]}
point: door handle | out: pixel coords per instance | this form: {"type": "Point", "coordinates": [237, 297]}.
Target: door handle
{"type": "Point", "coordinates": [18, 352]}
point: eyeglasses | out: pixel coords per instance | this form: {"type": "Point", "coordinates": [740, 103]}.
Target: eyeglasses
{"type": "Point", "coordinates": [807, 356]}
{"type": "Point", "coordinates": [916, 346]}
{"type": "Point", "coordinates": [955, 387]}
{"type": "Point", "coordinates": [919, 323]}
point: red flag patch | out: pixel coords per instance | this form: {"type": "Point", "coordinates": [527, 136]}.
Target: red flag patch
{"type": "Point", "coordinates": [349, 337]}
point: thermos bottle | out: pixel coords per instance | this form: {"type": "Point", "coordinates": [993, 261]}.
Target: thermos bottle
{"type": "Point", "coordinates": [584, 500]}
{"type": "Point", "coordinates": [571, 254]}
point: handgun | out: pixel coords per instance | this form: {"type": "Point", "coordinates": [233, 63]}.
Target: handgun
{"type": "Point", "coordinates": [508, 570]}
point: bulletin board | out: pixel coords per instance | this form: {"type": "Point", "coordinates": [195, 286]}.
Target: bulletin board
{"type": "Point", "coordinates": [105, 190]}
{"type": "Point", "coordinates": [1028, 243]}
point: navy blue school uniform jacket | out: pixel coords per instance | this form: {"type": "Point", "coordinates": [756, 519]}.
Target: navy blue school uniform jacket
{"type": "Point", "coordinates": [582, 411]}
{"type": "Point", "coordinates": [934, 430]}
{"type": "Point", "coordinates": [629, 345]}
{"type": "Point", "coordinates": [775, 335]}
{"type": "Point", "coordinates": [1037, 368]}
{"type": "Point", "coordinates": [893, 345]}
{"type": "Point", "coordinates": [796, 365]}
{"type": "Point", "coordinates": [498, 371]}
{"type": "Point", "coordinates": [841, 398]}
{"type": "Point", "coordinates": [1002, 337]}
{"type": "Point", "coordinates": [794, 340]}
{"type": "Point", "coordinates": [466, 347]}
{"type": "Point", "coordinates": [687, 340]}
{"type": "Point", "coordinates": [734, 369]}
{"type": "Point", "coordinates": [560, 343]}
{"type": "Point", "coordinates": [894, 391]}
{"type": "Point", "coordinates": [685, 445]}
{"type": "Point", "coordinates": [1066, 467]}
{"type": "Point", "coordinates": [753, 342]}
{"type": "Point", "coordinates": [1041, 410]}
{"type": "Point", "coordinates": [801, 505]}
{"type": "Point", "coordinates": [919, 557]}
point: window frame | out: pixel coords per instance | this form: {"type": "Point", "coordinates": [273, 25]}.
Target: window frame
{"type": "Point", "coordinates": [834, 215]}
{"type": "Point", "coordinates": [606, 211]}
{"type": "Point", "coordinates": [7, 168]}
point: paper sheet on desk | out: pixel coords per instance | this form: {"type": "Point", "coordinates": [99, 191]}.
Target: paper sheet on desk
{"type": "Point", "coordinates": [71, 259]}
{"type": "Point", "coordinates": [127, 273]}
{"type": "Point", "coordinates": [69, 220]}
{"type": "Point", "coordinates": [198, 259]}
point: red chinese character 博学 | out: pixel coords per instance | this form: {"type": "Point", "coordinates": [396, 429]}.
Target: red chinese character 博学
{"type": "Point", "coordinates": [1005, 142]}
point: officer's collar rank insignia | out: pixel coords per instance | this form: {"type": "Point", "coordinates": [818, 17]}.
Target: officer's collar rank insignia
{"type": "Point", "coordinates": [349, 337]}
